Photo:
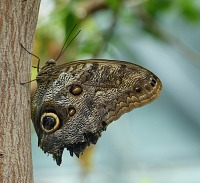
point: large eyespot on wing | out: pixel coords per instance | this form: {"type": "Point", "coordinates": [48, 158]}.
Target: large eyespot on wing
{"type": "Point", "coordinates": [49, 122]}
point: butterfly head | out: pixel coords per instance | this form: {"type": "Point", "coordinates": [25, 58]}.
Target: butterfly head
{"type": "Point", "coordinates": [50, 62]}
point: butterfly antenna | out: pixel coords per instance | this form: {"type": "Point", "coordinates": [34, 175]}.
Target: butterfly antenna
{"type": "Point", "coordinates": [32, 55]}
{"type": "Point", "coordinates": [72, 40]}
{"type": "Point", "coordinates": [64, 48]}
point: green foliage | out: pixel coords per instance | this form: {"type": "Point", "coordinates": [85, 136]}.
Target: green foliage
{"type": "Point", "coordinates": [69, 19]}
{"type": "Point", "coordinates": [190, 10]}
{"type": "Point", "coordinates": [154, 7]}
{"type": "Point", "coordinates": [114, 4]}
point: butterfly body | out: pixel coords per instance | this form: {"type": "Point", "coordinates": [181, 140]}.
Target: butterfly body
{"type": "Point", "coordinates": [75, 102]}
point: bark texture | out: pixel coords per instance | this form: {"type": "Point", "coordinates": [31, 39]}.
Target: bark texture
{"type": "Point", "coordinates": [18, 20]}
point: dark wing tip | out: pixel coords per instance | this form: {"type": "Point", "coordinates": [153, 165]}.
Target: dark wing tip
{"type": "Point", "coordinates": [58, 156]}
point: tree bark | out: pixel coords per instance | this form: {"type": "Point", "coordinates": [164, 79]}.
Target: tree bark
{"type": "Point", "coordinates": [18, 19]}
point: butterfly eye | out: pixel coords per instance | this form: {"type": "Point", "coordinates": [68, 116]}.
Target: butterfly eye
{"type": "Point", "coordinates": [49, 122]}
{"type": "Point", "coordinates": [75, 89]}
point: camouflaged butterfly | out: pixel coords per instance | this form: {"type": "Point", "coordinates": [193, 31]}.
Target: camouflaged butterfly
{"type": "Point", "coordinates": [75, 102]}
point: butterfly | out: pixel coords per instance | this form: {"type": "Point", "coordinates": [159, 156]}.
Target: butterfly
{"type": "Point", "coordinates": [75, 102]}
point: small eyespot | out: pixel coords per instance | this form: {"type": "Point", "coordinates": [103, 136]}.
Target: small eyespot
{"type": "Point", "coordinates": [75, 89]}
{"type": "Point", "coordinates": [49, 122]}
{"type": "Point", "coordinates": [138, 89]}
{"type": "Point", "coordinates": [152, 82]}
{"type": "Point", "coordinates": [71, 111]}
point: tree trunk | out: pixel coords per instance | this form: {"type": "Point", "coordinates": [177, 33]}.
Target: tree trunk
{"type": "Point", "coordinates": [18, 20]}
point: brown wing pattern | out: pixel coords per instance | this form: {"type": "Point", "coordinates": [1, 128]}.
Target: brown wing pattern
{"type": "Point", "coordinates": [75, 102]}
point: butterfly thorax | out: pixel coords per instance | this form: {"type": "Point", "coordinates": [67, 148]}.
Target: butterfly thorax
{"type": "Point", "coordinates": [48, 72]}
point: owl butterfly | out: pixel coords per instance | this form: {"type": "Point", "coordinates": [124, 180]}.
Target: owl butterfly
{"type": "Point", "coordinates": [76, 101]}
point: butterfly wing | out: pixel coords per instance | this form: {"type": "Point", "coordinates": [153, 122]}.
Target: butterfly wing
{"type": "Point", "coordinates": [86, 96]}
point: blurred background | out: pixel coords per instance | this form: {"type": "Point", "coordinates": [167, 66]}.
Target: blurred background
{"type": "Point", "coordinates": [158, 143]}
